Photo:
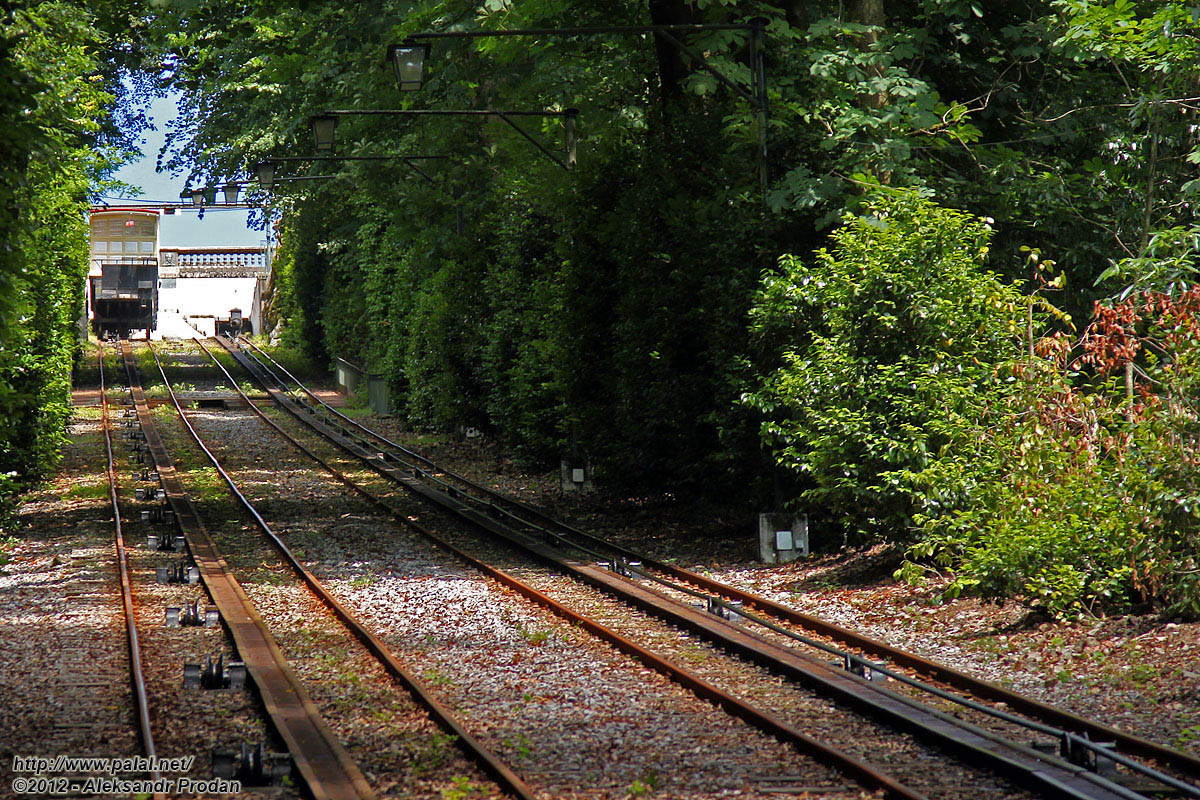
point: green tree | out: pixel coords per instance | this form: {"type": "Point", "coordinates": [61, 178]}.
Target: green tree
{"type": "Point", "coordinates": [891, 340]}
{"type": "Point", "coordinates": [603, 311]}
{"type": "Point", "coordinates": [59, 139]}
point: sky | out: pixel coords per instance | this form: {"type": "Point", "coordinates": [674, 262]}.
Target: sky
{"type": "Point", "coordinates": [181, 229]}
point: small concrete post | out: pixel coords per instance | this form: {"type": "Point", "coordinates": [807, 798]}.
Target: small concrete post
{"type": "Point", "coordinates": [576, 476]}
{"type": "Point", "coordinates": [348, 376]}
{"type": "Point", "coordinates": [782, 537]}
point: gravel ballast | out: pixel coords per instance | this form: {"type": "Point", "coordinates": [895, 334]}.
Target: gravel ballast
{"type": "Point", "coordinates": [574, 717]}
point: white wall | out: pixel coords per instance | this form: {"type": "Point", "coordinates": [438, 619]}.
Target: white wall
{"type": "Point", "coordinates": [198, 297]}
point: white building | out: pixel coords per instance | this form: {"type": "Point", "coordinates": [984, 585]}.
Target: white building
{"type": "Point", "coordinates": [200, 286]}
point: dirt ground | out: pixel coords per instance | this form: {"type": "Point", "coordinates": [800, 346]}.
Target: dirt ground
{"type": "Point", "coordinates": [1136, 672]}
{"type": "Point", "coordinates": [1140, 673]}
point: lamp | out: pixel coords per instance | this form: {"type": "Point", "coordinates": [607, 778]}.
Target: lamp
{"type": "Point", "coordinates": [408, 59]}
{"type": "Point", "coordinates": [265, 171]}
{"type": "Point", "coordinates": [209, 195]}
{"type": "Point", "coordinates": [230, 191]}
{"type": "Point", "coordinates": [197, 197]}
{"type": "Point", "coordinates": [324, 128]}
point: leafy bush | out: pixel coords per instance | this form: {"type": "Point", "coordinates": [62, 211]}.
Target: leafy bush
{"type": "Point", "coordinates": [54, 107]}
{"type": "Point", "coordinates": [889, 347]}
{"type": "Point", "coordinates": [1045, 510]}
{"type": "Point", "coordinates": [913, 399]}
{"type": "Point", "coordinates": [1085, 501]}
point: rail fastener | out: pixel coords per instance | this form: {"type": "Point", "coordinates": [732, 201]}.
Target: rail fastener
{"type": "Point", "coordinates": [215, 674]}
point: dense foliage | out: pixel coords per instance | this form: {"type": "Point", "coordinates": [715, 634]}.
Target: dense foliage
{"type": "Point", "coordinates": [1074, 494]}
{"type": "Point", "coordinates": [912, 379]}
{"type": "Point", "coordinates": [58, 140]}
{"type": "Point", "coordinates": [890, 346]}
{"type": "Point", "coordinates": [556, 311]}
{"type": "Point", "coordinates": [919, 398]}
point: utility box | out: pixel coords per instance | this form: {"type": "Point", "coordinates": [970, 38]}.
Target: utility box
{"type": "Point", "coordinates": [576, 476]}
{"type": "Point", "coordinates": [348, 376]}
{"type": "Point", "coordinates": [378, 395]}
{"type": "Point", "coordinates": [782, 537]}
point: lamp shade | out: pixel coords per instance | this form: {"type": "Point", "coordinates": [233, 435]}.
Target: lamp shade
{"type": "Point", "coordinates": [265, 172]}
{"type": "Point", "coordinates": [324, 128]}
{"type": "Point", "coordinates": [209, 195]}
{"type": "Point", "coordinates": [408, 59]}
{"type": "Point", "coordinates": [197, 197]}
{"type": "Point", "coordinates": [230, 191]}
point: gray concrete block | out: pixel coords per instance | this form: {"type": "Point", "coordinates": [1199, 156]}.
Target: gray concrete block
{"type": "Point", "coordinates": [782, 537]}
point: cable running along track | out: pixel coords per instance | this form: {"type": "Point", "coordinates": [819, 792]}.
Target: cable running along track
{"type": "Point", "coordinates": [136, 676]}
{"type": "Point", "coordinates": [533, 530]}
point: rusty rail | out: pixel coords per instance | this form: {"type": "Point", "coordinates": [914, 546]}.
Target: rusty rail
{"type": "Point", "coordinates": [1126, 743]}
{"type": "Point", "coordinates": [136, 676]}
{"type": "Point", "coordinates": [973, 744]}
{"type": "Point", "coordinates": [322, 761]}
{"type": "Point", "coordinates": [866, 774]}
{"type": "Point", "coordinates": [471, 746]}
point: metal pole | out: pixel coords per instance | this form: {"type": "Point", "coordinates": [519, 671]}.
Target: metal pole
{"type": "Point", "coordinates": [758, 96]}
{"type": "Point", "coordinates": [613, 30]}
{"type": "Point", "coordinates": [699, 59]}
{"type": "Point", "coordinates": [571, 115]}
{"type": "Point", "coordinates": [504, 116]}
{"type": "Point", "coordinates": [343, 158]}
{"type": "Point", "coordinates": [438, 112]}
{"type": "Point", "coordinates": [758, 66]}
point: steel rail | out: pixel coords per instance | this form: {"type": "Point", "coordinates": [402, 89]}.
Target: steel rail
{"type": "Point", "coordinates": [1127, 743]}
{"type": "Point", "coordinates": [975, 745]}
{"type": "Point", "coordinates": [866, 774]}
{"type": "Point", "coordinates": [136, 675]}
{"type": "Point", "coordinates": [323, 763]}
{"type": "Point", "coordinates": [1067, 738]}
{"type": "Point", "coordinates": [472, 747]}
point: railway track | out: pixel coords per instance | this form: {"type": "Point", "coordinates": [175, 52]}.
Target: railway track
{"type": "Point", "coordinates": [1067, 727]}
{"type": "Point", "coordinates": [324, 765]}
{"type": "Point", "coordinates": [534, 533]}
{"type": "Point", "coordinates": [173, 720]}
{"type": "Point", "coordinates": [136, 676]}
{"type": "Point", "coordinates": [469, 744]}
{"type": "Point", "coordinates": [864, 773]}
